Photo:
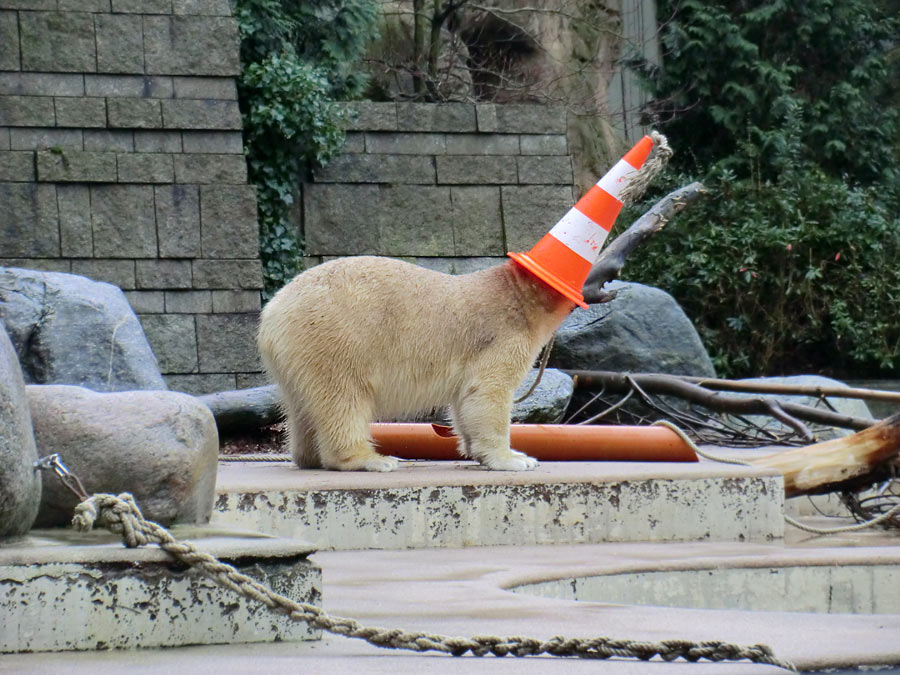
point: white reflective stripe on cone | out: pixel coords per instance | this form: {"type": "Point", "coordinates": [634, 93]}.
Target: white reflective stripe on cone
{"type": "Point", "coordinates": [581, 234]}
{"type": "Point", "coordinates": [617, 178]}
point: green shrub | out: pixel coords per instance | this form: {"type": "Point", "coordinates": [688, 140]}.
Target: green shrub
{"type": "Point", "coordinates": [298, 60]}
{"type": "Point", "coordinates": [795, 274]}
{"type": "Point", "coordinates": [787, 111]}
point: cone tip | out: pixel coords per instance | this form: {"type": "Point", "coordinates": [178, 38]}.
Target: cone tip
{"type": "Point", "coordinates": [639, 153]}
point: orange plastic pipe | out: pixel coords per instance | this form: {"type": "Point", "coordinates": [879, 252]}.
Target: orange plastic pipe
{"type": "Point", "coordinates": [545, 442]}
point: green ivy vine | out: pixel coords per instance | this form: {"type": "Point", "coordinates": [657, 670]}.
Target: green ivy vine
{"type": "Point", "coordinates": [298, 63]}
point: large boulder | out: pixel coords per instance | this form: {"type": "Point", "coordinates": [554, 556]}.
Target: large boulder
{"type": "Point", "coordinates": [160, 446]}
{"type": "Point", "coordinates": [548, 402]}
{"type": "Point", "coordinates": [20, 483]}
{"type": "Point", "coordinates": [68, 329]}
{"type": "Point", "coordinates": [643, 330]}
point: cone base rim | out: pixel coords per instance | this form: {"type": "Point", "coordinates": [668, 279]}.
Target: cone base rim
{"type": "Point", "coordinates": [549, 278]}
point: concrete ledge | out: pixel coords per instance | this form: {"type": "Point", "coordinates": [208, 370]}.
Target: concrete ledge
{"type": "Point", "coordinates": [457, 504]}
{"type": "Point", "coordinates": [61, 590]}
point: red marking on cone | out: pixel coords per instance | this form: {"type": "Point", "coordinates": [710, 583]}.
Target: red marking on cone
{"type": "Point", "coordinates": [564, 256]}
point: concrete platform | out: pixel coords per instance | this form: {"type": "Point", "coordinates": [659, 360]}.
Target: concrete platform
{"type": "Point", "coordinates": [64, 590]}
{"type": "Point", "coordinates": [464, 592]}
{"type": "Point", "coordinates": [454, 504]}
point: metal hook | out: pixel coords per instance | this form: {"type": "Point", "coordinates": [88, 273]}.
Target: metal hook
{"type": "Point", "coordinates": [69, 479]}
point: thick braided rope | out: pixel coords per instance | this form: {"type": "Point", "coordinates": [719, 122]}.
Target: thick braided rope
{"type": "Point", "coordinates": [121, 516]}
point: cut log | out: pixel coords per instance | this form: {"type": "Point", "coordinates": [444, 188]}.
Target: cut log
{"type": "Point", "coordinates": [818, 468]}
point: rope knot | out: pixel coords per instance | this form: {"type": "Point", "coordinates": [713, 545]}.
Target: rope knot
{"type": "Point", "coordinates": [119, 514]}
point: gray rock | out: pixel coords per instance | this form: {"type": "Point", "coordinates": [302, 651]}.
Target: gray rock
{"type": "Point", "coordinates": [548, 403]}
{"type": "Point", "coordinates": [160, 446]}
{"type": "Point", "coordinates": [20, 484]}
{"type": "Point", "coordinates": [67, 329]}
{"type": "Point", "coordinates": [643, 330]}
{"type": "Point", "coordinates": [845, 406]}
{"type": "Point", "coordinates": [245, 409]}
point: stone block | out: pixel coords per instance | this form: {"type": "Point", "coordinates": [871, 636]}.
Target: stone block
{"type": "Point", "coordinates": [409, 232]}
{"type": "Point", "coordinates": [163, 274]}
{"type": "Point", "coordinates": [27, 111]}
{"type": "Point", "coordinates": [486, 117]}
{"type": "Point", "coordinates": [173, 338]}
{"type": "Point", "coordinates": [250, 380]}
{"type": "Point", "coordinates": [201, 383]}
{"type": "Point", "coordinates": [145, 167]}
{"type": "Point", "coordinates": [472, 169]}
{"type": "Point", "coordinates": [545, 169]}
{"type": "Point", "coordinates": [230, 169]}
{"type": "Point", "coordinates": [80, 112]}
{"type": "Point", "coordinates": [459, 265]}
{"type": "Point", "coordinates": [543, 144]}
{"type": "Point", "coordinates": [146, 302]}
{"type": "Point", "coordinates": [43, 264]}
{"type": "Point", "coordinates": [178, 220]}
{"type": "Point", "coordinates": [189, 302]}
{"type": "Point", "coordinates": [58, 42]}
{"type": "Point", "coordinates": [120, 43]}
{"type": "Point", "coordinates": [482, 144]}
{"type": "Point", "coordinates": [84, 5]}
{"type": "Point", "coordinates": [123, 221]}
{"type": "Point", "coordinates": [228, 302]}
{"type": "Point", "coordinates": [202, 7]}
{"type": "Point", "coordinates": [16, 166]}
{"type": "Point", "coordinates": [157, 141]}
{"type": "Point", "coordinates": [223, 88]}
{"type": "Point", "coordinates": [354, 142]}
{"type": "Point", "coordinates": [44, 139]}
{"type": "Point", "coordinates": [213, 142]}
{"type": "Point", "coordinates": [41, 84]}
{"type": "Point", "coordinates": [371, 116]}
{"type": "Point", "coordinates": [76, 239]}
{"type": "Point", "coordinates": [128, 86]}
{"type": "Point", "coordinates": [405, 143]}
{"type": "Point", "coordinates": [9, 41]}
{"type": "Point", "coordinates": [530, 212]}
{"type": "Point", "coordinates": [228, 273]}
{"type": "Point", "coordinates": [30, 225]}
{"type": "Point", "coordinates": [524, 118]}
{"type": "Point", "coordinates": [191, 45]}
{"type": "Point", "coordinates": [4, 138]}
{"type": "Point", "coordinates": [408, 169]}
{"type": "Point", "coordinates": [201, 114]}
{"type": "Point", "coordinates": [339, 219]}
{"type": "Point", "coordinates": [105, 140]}
{"type": "Point", "coordinates": [228, 221]}
{"type": "Point", "coordinates": [58, 165]}
{"type": "Point", "coordinates": [358, 219]}
{"type": "Point", "coordinates": [477, 221]}
{"type": "Point", "coordinates": [142, 6]}
{"type": "Point", "coordinates": [454, 117]}
{"type": "Point", "coordinates": [227, 342]}
{"type": "Point", "coordinates": [134, 113]}
{"type": "Point", "coordinates": [117, 272]}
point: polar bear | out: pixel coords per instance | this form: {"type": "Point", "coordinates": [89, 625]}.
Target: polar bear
{"type": "Point", "coordinates": [364, 337]}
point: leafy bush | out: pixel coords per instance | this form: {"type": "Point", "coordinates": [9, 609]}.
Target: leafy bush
{"type": "Point", "coordinates": [297, 61]}
{"type": "Point", "coordinates": [787, 112]}
{"type": "Point", "coordinates": [795, 274]}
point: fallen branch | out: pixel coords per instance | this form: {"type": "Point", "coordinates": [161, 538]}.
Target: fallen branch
{"type": "Point", "coordinates": [673, 385]}
{"type": "Point", "coordinates": [822, 467]}
{"type": "Point", "coordinates": [612, 259]}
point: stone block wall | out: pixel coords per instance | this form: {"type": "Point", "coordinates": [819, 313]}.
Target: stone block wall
{"type": "Point", "coordinates": [121, 159]}
{"type": "Point", "coordinates": [452, 187]}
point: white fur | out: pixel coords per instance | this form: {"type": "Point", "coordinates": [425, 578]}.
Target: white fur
{"type": "Point", "coordinates": [359, 338]}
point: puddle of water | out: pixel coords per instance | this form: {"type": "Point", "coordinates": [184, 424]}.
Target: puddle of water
{"type": "Point", "coordinates": [834, 589]}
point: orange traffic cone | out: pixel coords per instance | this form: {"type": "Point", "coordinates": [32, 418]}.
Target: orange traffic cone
{"type": "Point", "coordinates": [564, 256]}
